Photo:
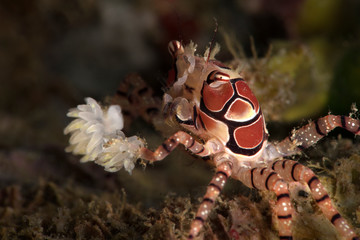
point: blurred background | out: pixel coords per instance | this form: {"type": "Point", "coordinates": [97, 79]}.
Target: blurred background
{"type": "Point", "coordinates": [54, 53]}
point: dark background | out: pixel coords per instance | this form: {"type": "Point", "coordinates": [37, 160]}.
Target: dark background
{"type": "Point", "coordinates": [54, 53]}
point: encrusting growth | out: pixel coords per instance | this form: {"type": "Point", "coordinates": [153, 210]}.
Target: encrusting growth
{"type": "Point", "coordinates": [221, 119]}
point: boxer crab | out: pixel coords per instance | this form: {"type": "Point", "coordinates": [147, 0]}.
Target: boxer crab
{"type": "Point", "coordinates": [220, 119]}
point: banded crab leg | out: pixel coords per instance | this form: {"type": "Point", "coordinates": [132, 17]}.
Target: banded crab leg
{"type": "Point", "coordinates": [137, 99]}
{"type": "Point", "coordinates": [294, 171]}
{"type": "Point", "coordinates": [212, 146]}
{"type": "Point", "coordinates": [217, 183]}
{"type": "Point", "coordinates": [269, 180]}
{"type": "Point", "coordinates": [311, 133]}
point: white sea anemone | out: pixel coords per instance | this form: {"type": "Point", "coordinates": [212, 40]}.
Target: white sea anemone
{"type": "Point", "coordinates": [118, 153]}
{"type": "Point", "coordinates": [96, 134]}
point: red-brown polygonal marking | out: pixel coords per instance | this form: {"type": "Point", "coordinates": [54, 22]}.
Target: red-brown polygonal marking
{"type": "Point", "coordinates": [250, 136]}
{"type": "Point", "coordinates": [216, 98]}
{"type": "Point", "coordinates": [215, 127]}
{"type": "Point", "coordinates": [244, 91]}
{"type": "Point", "coordinates": [240, 111]}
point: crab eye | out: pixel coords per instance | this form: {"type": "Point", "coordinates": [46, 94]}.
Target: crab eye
{"type": "Point", "coordinates": [216, 76]}
{"type": "Point", "coordinates": [175, 48]}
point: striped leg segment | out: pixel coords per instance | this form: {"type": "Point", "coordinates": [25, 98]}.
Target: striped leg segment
{"type": "Point", "coordinates": [210, 147]}
{"type": "Point", "coordinates": [268, 179]}
{"type": "Point", "coordinates": [311, 133]}
{"type": "Point", "coordinates": [294, 171]}
{"type": "Point", "coordinates": [137, 99]}
{"type": "Point", "coordinates": [223, 172]}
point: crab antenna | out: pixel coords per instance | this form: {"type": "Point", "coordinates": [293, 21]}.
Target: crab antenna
{"type": "Point", "coordinates": [212, 39]}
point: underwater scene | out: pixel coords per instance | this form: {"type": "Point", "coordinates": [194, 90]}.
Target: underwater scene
{"type": "Point", "coordinates": [88, 90]}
